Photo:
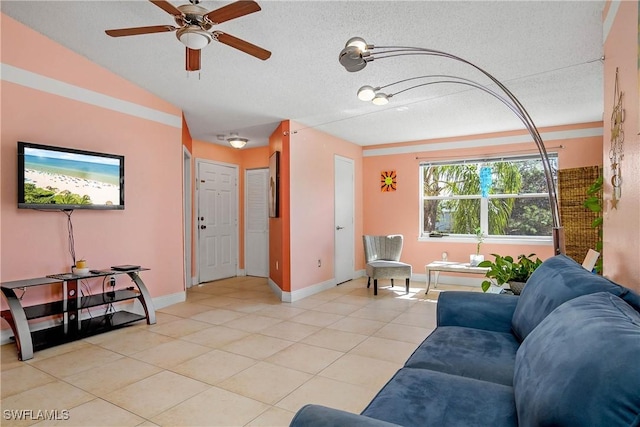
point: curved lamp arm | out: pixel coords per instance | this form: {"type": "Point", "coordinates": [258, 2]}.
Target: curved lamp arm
{"type": "Point", "coordinates": [465, 82]}
{"type": "Point", "coordinates": [357, 53]}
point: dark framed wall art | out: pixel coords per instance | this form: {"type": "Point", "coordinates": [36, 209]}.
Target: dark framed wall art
{"type": "Point", "coordinates": [274, 184]}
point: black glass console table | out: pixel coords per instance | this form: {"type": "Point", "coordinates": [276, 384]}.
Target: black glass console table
{"type": "Point", "coordinates": [67, 310]}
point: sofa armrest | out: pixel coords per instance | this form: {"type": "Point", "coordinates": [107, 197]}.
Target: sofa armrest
{"type": "Point", "coordinates": [491, 312]}
{"type": "Point", "coordinates": [321, 416]}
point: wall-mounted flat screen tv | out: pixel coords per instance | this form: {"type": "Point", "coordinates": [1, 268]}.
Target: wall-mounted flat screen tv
{"type": "Point", "coordinates": [65, 178]}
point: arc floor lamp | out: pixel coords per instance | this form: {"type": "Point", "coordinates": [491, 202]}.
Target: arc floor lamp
{"type": "Point", "coordinates": [357, 53]}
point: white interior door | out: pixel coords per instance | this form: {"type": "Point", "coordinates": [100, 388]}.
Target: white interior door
{"type": "Point", "coordinates": [217, 221]}
{"type": "Point", "coordinates": [343, 214]}
{"type": "Point", "coordinates": [256, 259]}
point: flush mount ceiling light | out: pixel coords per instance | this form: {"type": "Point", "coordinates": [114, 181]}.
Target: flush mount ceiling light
{"type": "Point", "coordinates": [194, 37]}
{"type": "Point", "coordinates": [236, 141]}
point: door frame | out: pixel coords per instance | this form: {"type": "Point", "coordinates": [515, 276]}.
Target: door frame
{"type": "Point", "coordinates": [197, 209]}
{"type": "Point", "coordinates": [188, 215]}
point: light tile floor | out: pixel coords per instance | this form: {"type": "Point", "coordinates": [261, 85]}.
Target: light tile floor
{"type": "Point", "coordinates": [231, 355]}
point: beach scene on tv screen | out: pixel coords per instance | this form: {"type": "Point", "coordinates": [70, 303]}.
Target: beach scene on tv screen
{"type": "Point", "coordinates": [55, 177]}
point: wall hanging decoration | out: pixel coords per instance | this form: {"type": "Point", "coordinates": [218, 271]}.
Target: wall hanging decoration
{"type": "Point", "coordinates": [616, 152]}
{"type": "Point", "coordinates": [388, 181]}
{"type": "Point", "coordinates": [274, 183]}
{"type": "Point", "coordinates": [486, 179]}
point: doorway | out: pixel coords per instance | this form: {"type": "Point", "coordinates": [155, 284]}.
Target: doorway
{"type": "Point", "coordinates": [217, 221]}
{"type": "Point", "coordinates": [256, 223]}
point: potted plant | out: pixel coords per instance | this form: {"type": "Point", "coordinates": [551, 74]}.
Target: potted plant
{"type": "Point", "coordinates": [504, 269]}
{"type": "Point", "coordinates": [475, 259]}
{"type": "Point", "coordinates": [594, 204]}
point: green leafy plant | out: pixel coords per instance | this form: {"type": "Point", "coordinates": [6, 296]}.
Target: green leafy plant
{"type": "Point", "coordinates": [505, 269]}
{"type": "Point", "coordinates": [33, 194]}
{"type": "Point", "coordinates": [593, 202]}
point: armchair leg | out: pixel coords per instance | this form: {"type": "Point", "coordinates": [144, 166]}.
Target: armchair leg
{"type": "Point", "coordinates": [368, 282]}
{"type": "Point", "coordinates": [407, 284]}
{"type": "Point", "coordinates": [392, 283]}
{"type": "Point", "coordinates": [375, 286]}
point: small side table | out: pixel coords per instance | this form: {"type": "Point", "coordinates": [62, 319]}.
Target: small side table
{"type": "Point", "coordinates": [451, 267]}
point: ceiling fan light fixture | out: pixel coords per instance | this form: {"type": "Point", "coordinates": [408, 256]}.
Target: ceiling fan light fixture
{"type": "Point", "coordinates": [237, 142]}
{"type": "Point", "coordinates": [194, 37]}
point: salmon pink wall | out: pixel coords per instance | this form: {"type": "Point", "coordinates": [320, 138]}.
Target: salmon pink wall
{"type": "Point", "coordinates": [622, 225]}
{"type": "Point", "coordinates": [40, 55]}
{"type": "Point", "coordinates": [399, 212]}
{"type": "Point", "coordinates": [255, 158]}
{"type": "Point", "coordinates": [85, 112]}
{"type": "Point", "coordinates": [312, 205]}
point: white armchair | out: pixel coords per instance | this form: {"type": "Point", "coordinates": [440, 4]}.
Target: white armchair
{"type": "Point", "coordinates": [382, 255]}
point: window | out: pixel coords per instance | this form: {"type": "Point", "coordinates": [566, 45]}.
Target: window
{"type": "Point", "coordinates": [505, 197]}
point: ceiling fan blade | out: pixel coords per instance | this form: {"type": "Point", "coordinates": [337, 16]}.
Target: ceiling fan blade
{"type": "Point", "coordinates": [242, 45]}
{"type": "Point", "coordinates": [167, 7]}
{"type": "Point", "coordinates": [193, 60]}
{"type": "Point", "coordinates": [140, 30]}
{"type": "Point", "coordinates": [232, 11]}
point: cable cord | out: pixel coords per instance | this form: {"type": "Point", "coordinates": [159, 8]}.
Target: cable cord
{"type": "Point", "coordinates": [72, 249]}
{"type": "Point", "coordinates": [87, 288]}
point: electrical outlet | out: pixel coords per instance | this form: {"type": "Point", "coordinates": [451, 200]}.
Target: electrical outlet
{"type": "Point", "coordinates": [112, 281]}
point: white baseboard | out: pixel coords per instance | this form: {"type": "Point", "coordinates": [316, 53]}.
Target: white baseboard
{"type": "Point", "coordinates": [167, 300]}
{"type": "Point", "coordinates": [444, 279]}
{"type": "Point", "coordinates": [301, 293]}
{"type": "Point", "coordinates": [276, 289]}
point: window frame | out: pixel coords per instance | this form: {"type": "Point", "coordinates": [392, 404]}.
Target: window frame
{"type": "Point", "coordinates": [423, 235]}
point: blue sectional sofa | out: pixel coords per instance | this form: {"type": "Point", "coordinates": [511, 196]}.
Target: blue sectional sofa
{"type": "Point", "coordinates": [566, 352]}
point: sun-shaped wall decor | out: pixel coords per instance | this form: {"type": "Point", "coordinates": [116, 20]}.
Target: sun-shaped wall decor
{"type": "Point", "coordinates": [388, 181]}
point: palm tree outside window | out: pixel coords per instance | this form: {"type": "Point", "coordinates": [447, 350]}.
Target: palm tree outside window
{"type": "Point", "coordinates": [516, 203]}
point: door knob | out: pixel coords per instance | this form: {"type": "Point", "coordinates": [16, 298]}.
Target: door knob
{"type": "Point", "coordinates": [339, 228]}
{"type": "Point", "coordinates": [203, 227]}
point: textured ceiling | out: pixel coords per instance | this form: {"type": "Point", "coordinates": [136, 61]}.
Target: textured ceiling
{"type": "Point", "coordinates": [547, 53]}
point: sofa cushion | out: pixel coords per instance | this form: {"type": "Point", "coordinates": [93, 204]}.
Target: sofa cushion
{"type": "Point", "coordinates": [474, 353]}
{"type": "Point", "coordinates": [388, 270]}
{"type": "Point", "coordinates": [580, 366]}
{"type": "Point", "coordinates": [421, 397]}
{"type": "Point", "coordinates": [492, 312]}
{"type": "Point", "coordinates": [557, 280]}
{"type": "Point", "coordinates": [322, 416]}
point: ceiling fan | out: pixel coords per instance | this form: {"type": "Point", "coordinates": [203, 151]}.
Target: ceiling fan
{"type": "Point", "coordinates": [194, 23]}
